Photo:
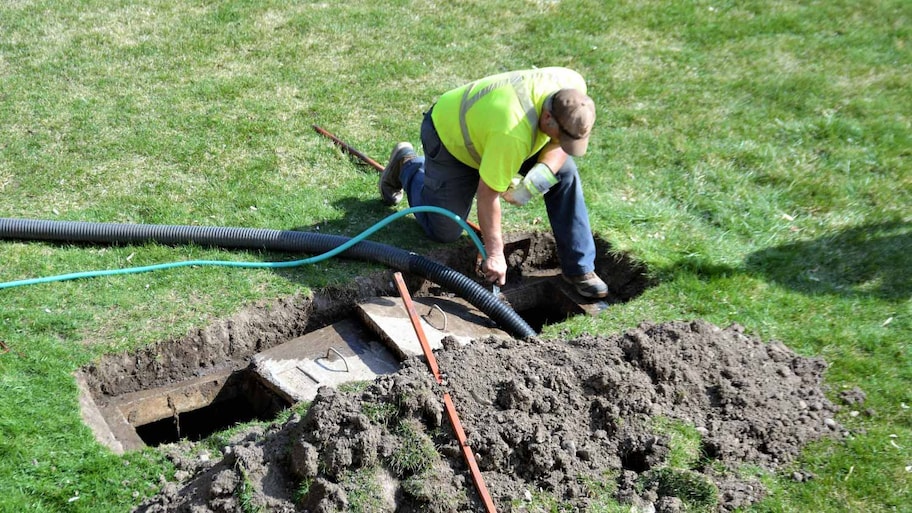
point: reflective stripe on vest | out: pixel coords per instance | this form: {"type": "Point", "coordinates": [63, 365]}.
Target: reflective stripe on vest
{"type": "Point", "coordinates": [519, 87]}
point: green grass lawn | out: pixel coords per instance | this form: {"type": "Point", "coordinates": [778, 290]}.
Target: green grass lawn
{"type": "Point", "coordinates": [754, 155]}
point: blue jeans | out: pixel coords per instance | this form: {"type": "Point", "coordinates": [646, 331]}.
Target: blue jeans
{"type": "Point", "coordinates": [439, 179]}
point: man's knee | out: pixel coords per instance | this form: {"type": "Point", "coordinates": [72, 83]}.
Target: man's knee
{"type": "Point", "coordinates": [569, 167]}
{"type": "Point", "coordinates": [444, 231]}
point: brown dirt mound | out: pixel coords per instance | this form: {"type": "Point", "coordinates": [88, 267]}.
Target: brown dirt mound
{"type": "Point", "coordinates": [568, 418]}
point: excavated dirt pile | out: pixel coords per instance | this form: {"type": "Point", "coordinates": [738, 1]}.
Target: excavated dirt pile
{"type": "Point", "coordinates": [574, 419]}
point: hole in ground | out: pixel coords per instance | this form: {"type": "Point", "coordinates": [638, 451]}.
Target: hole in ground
{"type": "Point", "coordinates": [243, 398]}
{"type": "Point", "coordinates": [206, 382]}
{"type": "Point", "coordinates": [549, 301]}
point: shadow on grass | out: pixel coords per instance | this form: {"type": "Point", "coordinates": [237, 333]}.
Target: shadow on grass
{"type": "Point", "coordinates": [871, 260]}
{"type": "Point", "coordinates": [360, 215]}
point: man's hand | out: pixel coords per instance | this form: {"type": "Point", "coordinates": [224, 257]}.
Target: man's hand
{"type": "Point", "coordinates": [536, 183]}
{"type": "Point", "coordinates": [517, 194]}
{"type": "Point", "coordinates": [495, 269]}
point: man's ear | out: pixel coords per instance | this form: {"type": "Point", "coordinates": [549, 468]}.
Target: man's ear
{"type": "Point", "coordinates": [548, 119]}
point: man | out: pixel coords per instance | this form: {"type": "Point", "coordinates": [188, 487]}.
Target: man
{"type": "Point", "coordinates": [477, 137]}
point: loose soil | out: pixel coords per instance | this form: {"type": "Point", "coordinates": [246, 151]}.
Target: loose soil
{"type": "Point", "coordinates": [570, 418]}
{"type": "Point", "coordinates": [574, 419]}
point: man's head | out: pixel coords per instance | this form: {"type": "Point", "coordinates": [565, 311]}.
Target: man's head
{"type": "Point", "coordinates": [572, 115]}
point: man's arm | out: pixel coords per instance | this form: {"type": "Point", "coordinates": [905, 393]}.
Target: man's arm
{"type": "Point", "coordinates": [552, 156]}
{"type": "Point", "coordinates": [489, 217]}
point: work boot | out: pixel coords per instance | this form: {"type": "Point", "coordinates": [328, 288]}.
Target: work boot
{"type": "Point", "coordinates": [390, 185]}
{"type": "Point", "coordinates": [588, 285]}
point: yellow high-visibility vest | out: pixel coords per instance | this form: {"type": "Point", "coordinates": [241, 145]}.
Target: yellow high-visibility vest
{"type": "Point", "coordinates": [491, 124]}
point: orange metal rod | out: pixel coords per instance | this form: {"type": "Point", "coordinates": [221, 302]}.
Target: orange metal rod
{"type": "Point", "coordinates": [376, 165]}
{"type": "Point", "coordinates": [6, 349]}
{"type": "Point", "coordinates": [468, 455]}
{"type": "Point", "coordinates": [447, 401]}
{"type": "Point", "coordinates": [413, 316]}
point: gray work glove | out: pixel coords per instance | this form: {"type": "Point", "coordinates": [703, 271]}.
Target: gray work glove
{"type": "Point", "coordinates": [536, 183]}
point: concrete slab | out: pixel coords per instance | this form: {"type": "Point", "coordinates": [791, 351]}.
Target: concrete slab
{"type": "Point", "coordinates": [147, 406]}
{"type": "Point", "coordinates": [93, 417]}
{"type": "Point", "coordinates": [114, 422]}
{"type": "Point", "coordinates": [340, 353]}
{"type": "Point", "coordinates": [440, 317]}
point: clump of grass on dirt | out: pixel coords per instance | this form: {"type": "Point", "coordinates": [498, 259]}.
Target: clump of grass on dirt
{"type": "Point", "coordinates": [245, 495]}
{"type": "Point", "coordinates": [684, 442]}
{"type": "Point", "coordinates": [380, 413]}
{"type": "Point", "coordinates": [365, 492]}
{"type": "Point", "coordinates": [696, 491]}
{"type": "Point", "coordinates": [415, 454]}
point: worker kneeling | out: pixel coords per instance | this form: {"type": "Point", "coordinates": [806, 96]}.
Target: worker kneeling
{"type": "Point", "coordinates": [510, 136]}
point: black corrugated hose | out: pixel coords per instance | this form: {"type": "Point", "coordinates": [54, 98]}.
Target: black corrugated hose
{"type": "Point", "coordinates": [271, 240]}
